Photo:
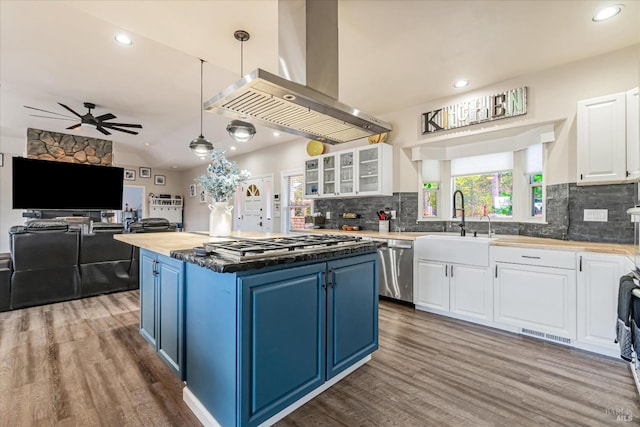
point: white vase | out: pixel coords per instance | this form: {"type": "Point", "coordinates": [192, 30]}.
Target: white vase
{"type": "Point", "coordinates": [220, 219]}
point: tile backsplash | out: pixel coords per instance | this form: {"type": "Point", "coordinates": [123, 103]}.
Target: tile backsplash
{"type": "Point", "coordinates": [565, 204]}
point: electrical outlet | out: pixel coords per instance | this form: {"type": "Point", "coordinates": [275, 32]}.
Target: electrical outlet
{"type": "Point", "coordinates": [393, 214]}
{"type": "Point", "coordinates": [327, 215]}
{"type": "Point", "coordinates": [599, 215]}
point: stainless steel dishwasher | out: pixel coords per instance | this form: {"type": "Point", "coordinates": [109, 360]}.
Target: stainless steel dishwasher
{"type": "Point", "coordinates": [395, 269]}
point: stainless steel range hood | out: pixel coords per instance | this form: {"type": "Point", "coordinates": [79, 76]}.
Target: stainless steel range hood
{"type": "Point", "coordinates": [303, 103]}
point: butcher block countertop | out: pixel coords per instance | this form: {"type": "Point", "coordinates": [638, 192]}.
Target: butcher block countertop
{"type": "Point", "coordinates": [164, 243]}
{"type": "Point", "coordinates": [500, 240]}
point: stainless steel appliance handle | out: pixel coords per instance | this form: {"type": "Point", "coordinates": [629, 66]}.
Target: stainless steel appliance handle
{"type": "Point", "coordinates": [401, 246]}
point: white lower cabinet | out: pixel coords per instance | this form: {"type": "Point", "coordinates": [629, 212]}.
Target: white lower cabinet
{"type": "Point", "coordinates": [598, 280]}
{"type": "Point", "coordinates": [557, 295]}
{"type": "Point", "coordinates": [471, 291]}
{"type": "Point", "coordinates": [433, 285]}
{"type": "Point", "coordinates": [540, 300]}
{"type": "Point", "coordinates": [455, 288]}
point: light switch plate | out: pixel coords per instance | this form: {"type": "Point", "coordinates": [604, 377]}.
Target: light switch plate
{"type": "Point", "coordinates": [393, 214]}
{"type": "Point", "coordinates": [327, 215]}
{"type": "Point", "coordinates": [599, 215]}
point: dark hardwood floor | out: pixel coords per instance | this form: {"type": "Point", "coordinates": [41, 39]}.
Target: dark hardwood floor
{"type": "Point", "coordinates": [84, 363]}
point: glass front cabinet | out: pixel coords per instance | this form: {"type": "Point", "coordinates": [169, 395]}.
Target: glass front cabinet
{"type": "Point", "coordinates": [312, 177]}
{"type": "Point", "coordinates": [365, 171]}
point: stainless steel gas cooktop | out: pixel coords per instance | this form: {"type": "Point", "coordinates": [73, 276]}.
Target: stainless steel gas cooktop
{"type": "Point", "coordinates": [242, 249]}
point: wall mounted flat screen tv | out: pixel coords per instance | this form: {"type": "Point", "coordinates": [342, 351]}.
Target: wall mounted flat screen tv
{"type": "Point", "coordinates": [51, 185]}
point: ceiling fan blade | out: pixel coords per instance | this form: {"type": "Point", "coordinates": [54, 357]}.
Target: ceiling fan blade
{"type": "Point", "coordinates": [107, 116]}
{"type": "Point", "coordinates": [77, 125]}
{"type": "Point", "coordinates": [57, 118]}
{"type": "Point", "coordinates": [124, 125]}
{"type": "Point", "coordinates": [45, 111]}
{"type": "Point", "coordinates": [103, 130]}
{"type": "Point", "coordinates": [64, 106]}
{"type": "Point", "coordinates": [123, 130]}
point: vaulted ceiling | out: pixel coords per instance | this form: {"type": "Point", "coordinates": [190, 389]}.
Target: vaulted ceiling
{"type": "Point", "coordinates": [392, 55]}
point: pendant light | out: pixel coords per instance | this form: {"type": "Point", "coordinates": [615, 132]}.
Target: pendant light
{"type": "Point", "coordinates": [201, 146]}
{"type": "Point", "coordinates": [239, 130]}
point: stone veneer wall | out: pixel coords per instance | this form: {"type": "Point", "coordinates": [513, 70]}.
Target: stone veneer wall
{"type": "Point", "coordinates": [46, 145]}
{"type": "Point", "coordinates": [564, 204]}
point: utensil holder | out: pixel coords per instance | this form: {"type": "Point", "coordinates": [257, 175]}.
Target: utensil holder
{"type": "Point", "coordinates": [383, 226]}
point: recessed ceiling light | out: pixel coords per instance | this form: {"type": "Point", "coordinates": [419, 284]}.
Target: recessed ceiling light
{"type": "Point", "coordinates": [123, 39]}
{"type": "Point", "coordinates": [147, 144]}
{"type": "Point", "coordinates": [233, 147]}
{"type": "Point", "coordinates": [276, 133]}
{"type": "Point", "coordinates": [461, 83]}
{"type": "Point", "coordinates": [607, 12]}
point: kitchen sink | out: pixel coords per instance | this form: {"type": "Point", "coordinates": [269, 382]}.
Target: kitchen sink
{"type": "Point", "coordinates": [457, 249]}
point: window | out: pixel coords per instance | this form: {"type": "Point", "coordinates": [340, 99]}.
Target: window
{"type": "Point", "coordinates": [430, 188]}
{"type": "Point", "coordinates": [491, 193]}
{"type": "Point", "coordinates": [297, 207]}
{"type": "Point", "coordinates": [507, 186]}
{"type": "Point", "coordinates": [487, 184]}
{"type": "Point", "coordinates": [535, 194]}
{"type": "Point", "coordinates": [533, 171]}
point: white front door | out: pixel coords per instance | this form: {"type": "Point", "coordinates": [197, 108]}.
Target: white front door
{"type": "Point", "coordinates": [256, 196]}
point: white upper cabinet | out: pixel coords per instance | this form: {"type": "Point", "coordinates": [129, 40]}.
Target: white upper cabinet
{"type": "Point", "coordinates": [365, 171]}
{"type": "Point", "coordinates": [633, 134]}
{"type": "Point", "coordinates": [601, 139]}
{"type": "Point", "coordinates": [608, 148]}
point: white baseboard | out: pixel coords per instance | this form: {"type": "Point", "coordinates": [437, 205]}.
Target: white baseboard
{"type": "Point", "coordinates": [209, 420]}
{"type": "Point", "coordinates": [198, 409]}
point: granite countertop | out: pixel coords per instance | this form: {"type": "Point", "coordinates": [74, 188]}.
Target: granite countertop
{"type": "Point", "coordinates": [223, 265]}
{"type": "Point", "coordinates": [500, 240]}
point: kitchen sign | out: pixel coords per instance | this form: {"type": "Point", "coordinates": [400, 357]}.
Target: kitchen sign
{"type": "Point", "coordinates": [506, 104]}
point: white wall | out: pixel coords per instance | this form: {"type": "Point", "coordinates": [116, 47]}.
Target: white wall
{"type": "Point", "coordinates": [552, 95]}
{"type": "Point", "coordinates": [10, 147]}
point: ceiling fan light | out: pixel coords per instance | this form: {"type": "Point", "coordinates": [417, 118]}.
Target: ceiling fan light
{"type": "Point", "coordinates": [201, 146]}
{"type": "Point", "coordinates": [241, 131]}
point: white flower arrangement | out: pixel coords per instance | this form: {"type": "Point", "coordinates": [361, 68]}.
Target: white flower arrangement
{"type": "Point", "coordinates": [222, 178]}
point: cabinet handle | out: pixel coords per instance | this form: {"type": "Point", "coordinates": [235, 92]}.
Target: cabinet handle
{"type": "Point", "coordinates": [332, 279]}
{"type": "Point", "coordinates": [451, 271]}
{"type": "Point", "coordinates": [628, 174]}
{"type": "Point", "coordinates": [581, 177]}
{"type": "Point", "coordinates": [580, 269]}
{"type": "Point", "coordinates": [530, 257]}
{"type": "Point", "coordinates": [324, 281]}
{"type": "Point", "coordinates": [446, 270]}
{"type": "Point", "coordinates": [496, 275]}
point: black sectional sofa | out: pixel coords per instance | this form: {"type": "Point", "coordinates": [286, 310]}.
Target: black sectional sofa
{"type": "Point", "coordinates": [52, 260]}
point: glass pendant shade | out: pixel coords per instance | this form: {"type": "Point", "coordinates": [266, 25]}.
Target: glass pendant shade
{"type": "Point", "coordinates": [241, 131]}
{"type": "Point", "coordinates": [201, 146]}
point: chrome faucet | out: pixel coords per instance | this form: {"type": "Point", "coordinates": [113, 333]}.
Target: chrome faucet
{"type": "Point", "coordinates": [489, 218]}
{"type": "Point", "coordinates": [455, 211]}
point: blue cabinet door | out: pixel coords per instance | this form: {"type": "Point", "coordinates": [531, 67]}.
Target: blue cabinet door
{"type": "Point", "coordinates": [170, 307]}
{"type": "Point", "coordinates": [281, 354]}
{"type": "Point", "coordinates": [148, 296]}
{"type": "Point", "coordinates": [352, 311]}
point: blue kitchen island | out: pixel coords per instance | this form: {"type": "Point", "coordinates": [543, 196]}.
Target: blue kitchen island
{"type": "Point", "coordinates": [256, 338]}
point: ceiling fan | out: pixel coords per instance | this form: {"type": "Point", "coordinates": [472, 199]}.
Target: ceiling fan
{"type": "Point", "coordinates": [100, 122]}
